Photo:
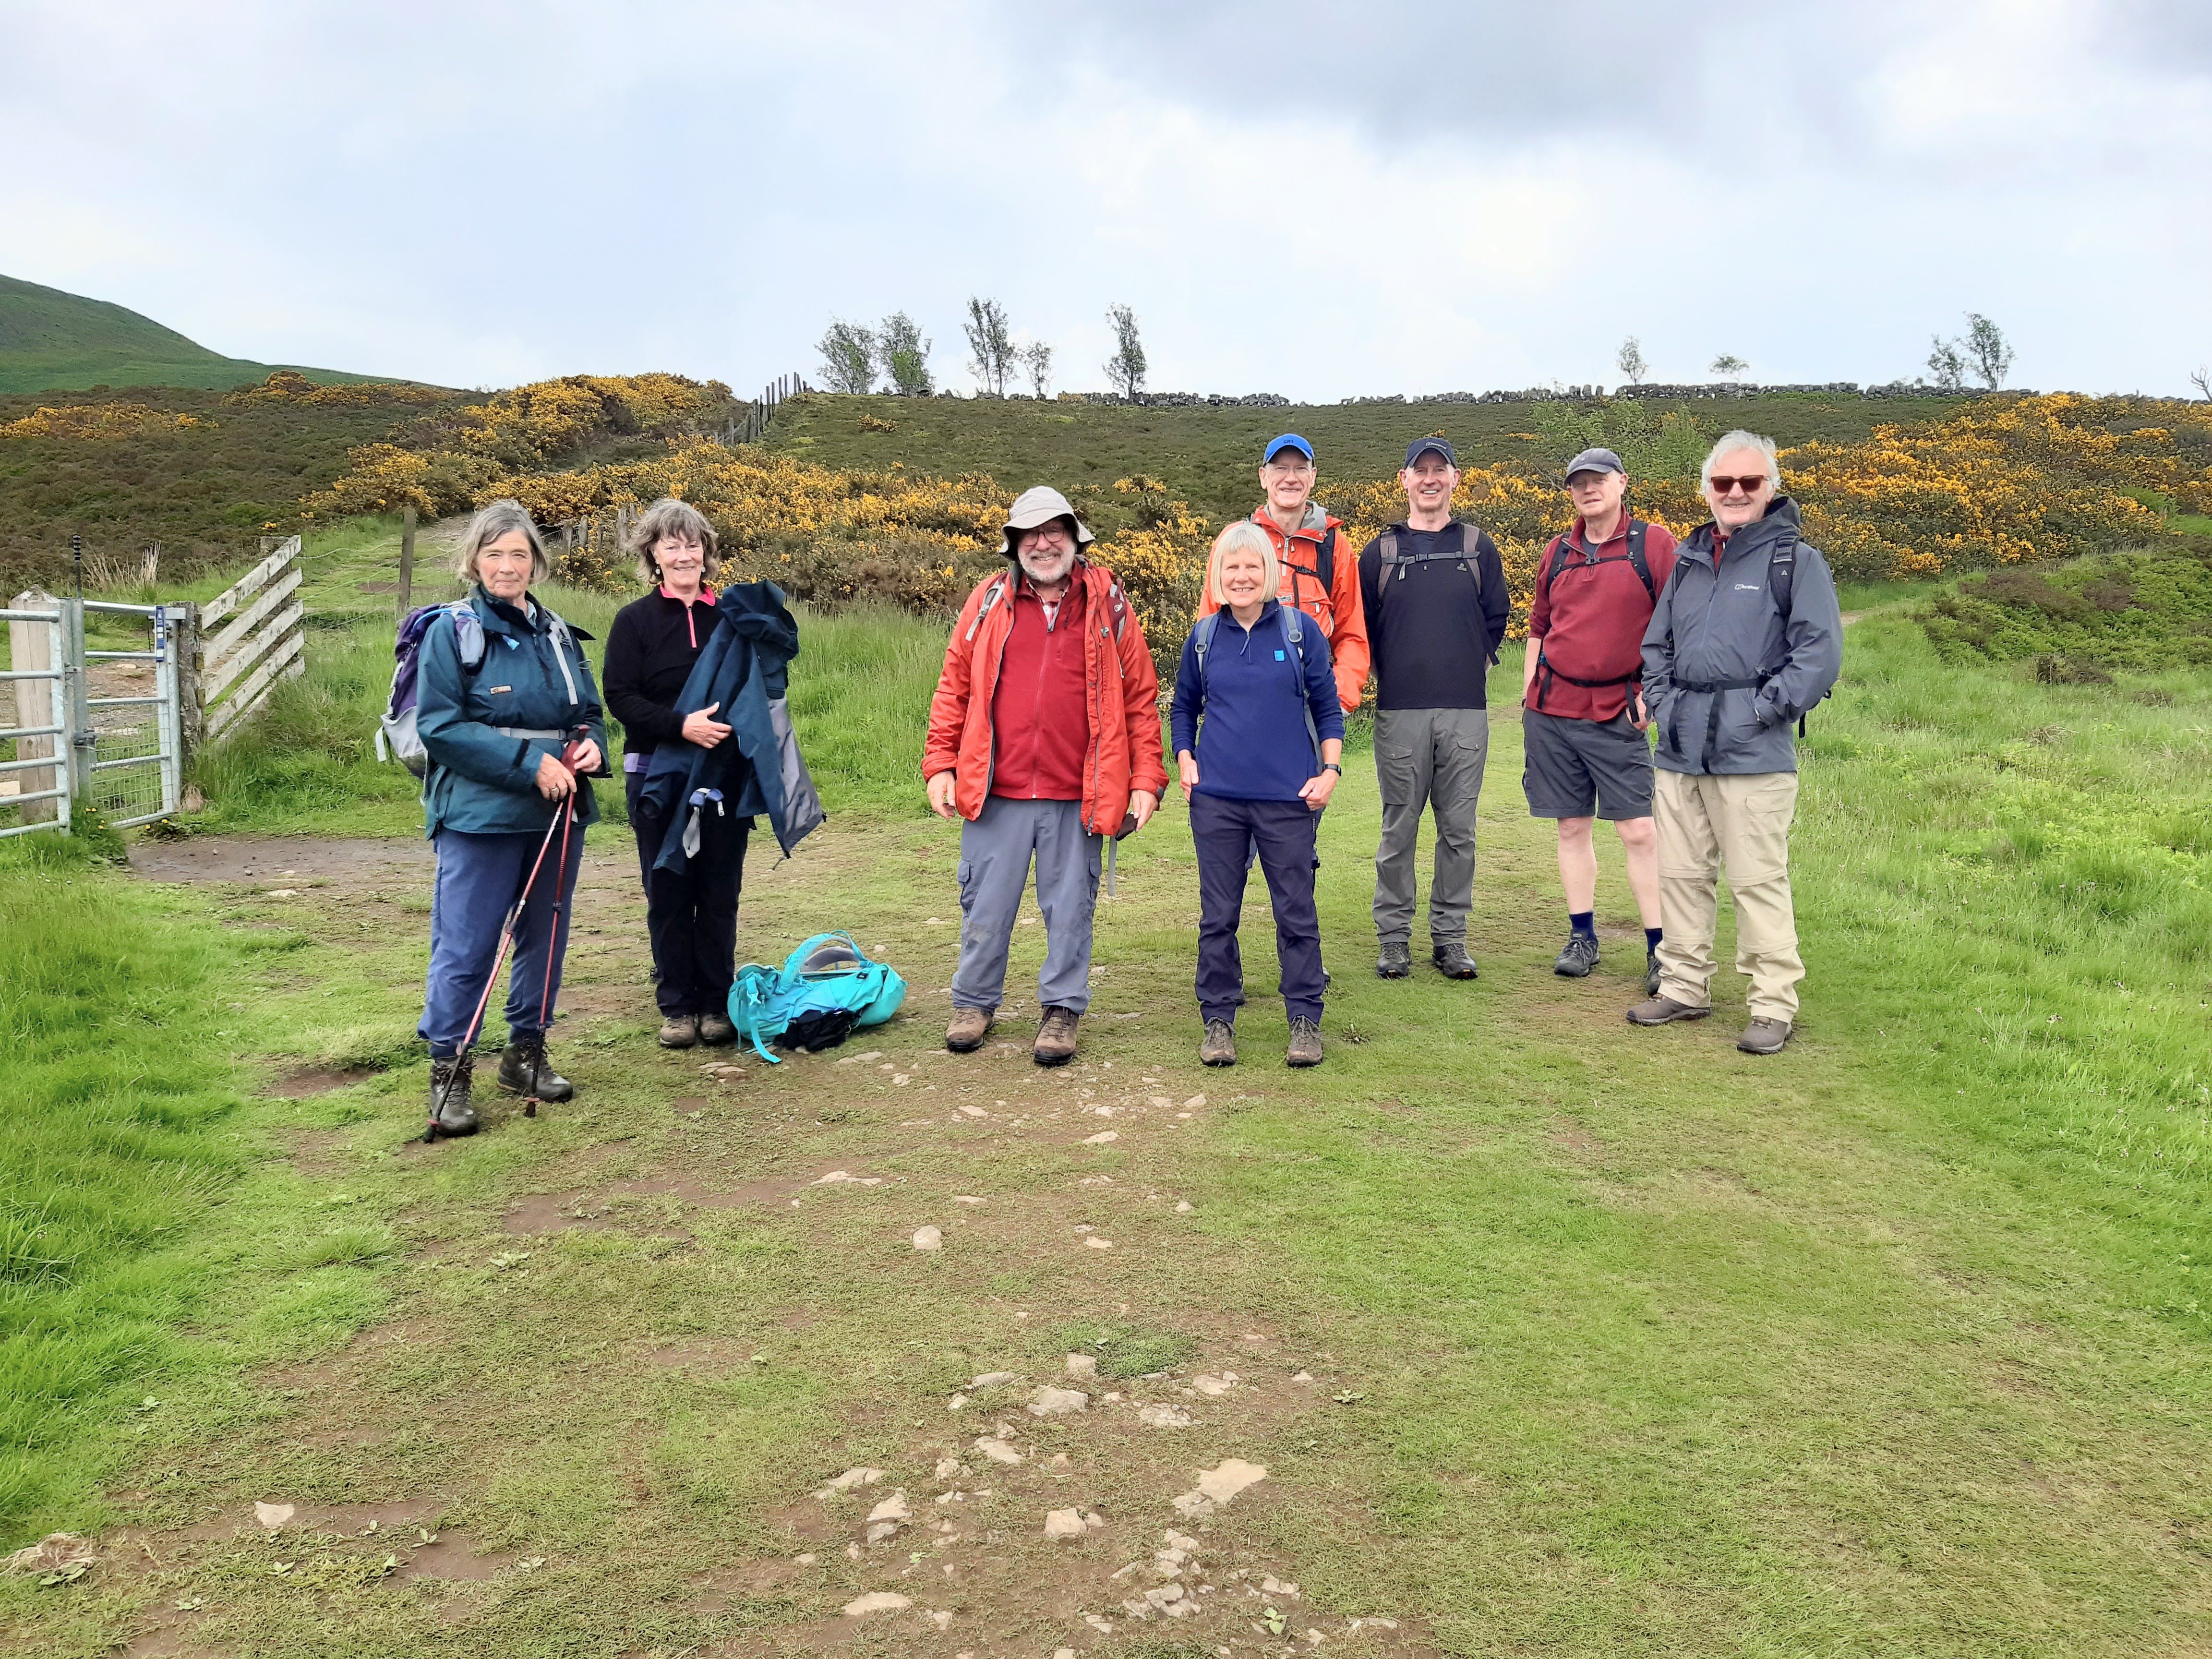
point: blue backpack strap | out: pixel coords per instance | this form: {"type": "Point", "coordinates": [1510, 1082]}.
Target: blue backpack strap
{"type": "Point", "coordinates": [1202, 641]}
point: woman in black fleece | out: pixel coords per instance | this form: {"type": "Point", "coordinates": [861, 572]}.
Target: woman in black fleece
{"type": "Point", "coordinates": [692, 915]}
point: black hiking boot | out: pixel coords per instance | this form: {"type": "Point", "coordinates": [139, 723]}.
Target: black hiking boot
{"type": "Point", "coordinates": [523, 1070]}
{"type": "Point", "coordinates": [1395, 960]}
{"type": "Point", "coordinates": [452, 1111]}
{"type": "Point", "coordinates": [1452, 960]}
{"type": "Point", "coordinates": [1578, 958]}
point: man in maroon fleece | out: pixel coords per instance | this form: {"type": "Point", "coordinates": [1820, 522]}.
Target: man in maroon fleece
{"type": "Point", "coordinates": [1582, 720]}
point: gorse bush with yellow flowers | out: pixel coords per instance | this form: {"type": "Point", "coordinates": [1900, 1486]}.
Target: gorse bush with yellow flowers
{"type": "Point", "coordinates": [95, 421]}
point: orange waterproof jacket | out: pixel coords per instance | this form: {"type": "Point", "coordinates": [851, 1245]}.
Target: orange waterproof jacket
{"type": "Point", "coordinates": [1337, 607]}
{"type": "Point", "coordinates": [1121, 697]}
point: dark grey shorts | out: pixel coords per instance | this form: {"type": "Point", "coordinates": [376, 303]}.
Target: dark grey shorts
{"type": "Point", "coordinates": [1569, 766]}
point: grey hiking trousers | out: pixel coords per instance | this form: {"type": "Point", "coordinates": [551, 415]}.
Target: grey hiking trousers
{"type": "Point", "coordinates": [1428, 758]}
{"type": "Point", "coordinates": [995, 851]}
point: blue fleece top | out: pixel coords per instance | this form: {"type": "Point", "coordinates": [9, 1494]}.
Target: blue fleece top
{"type": "Point", "coordinates": [1245, 723]}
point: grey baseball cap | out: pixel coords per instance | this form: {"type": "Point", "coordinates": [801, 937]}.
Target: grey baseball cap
{"type": "Point", "coordinates": [1040, 506]}
{"type": "Point", "coordinates": [1597, 460]}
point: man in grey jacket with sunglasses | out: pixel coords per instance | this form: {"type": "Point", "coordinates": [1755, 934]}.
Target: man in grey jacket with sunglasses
{"type": "Point", "coordinates": [1745, 638]}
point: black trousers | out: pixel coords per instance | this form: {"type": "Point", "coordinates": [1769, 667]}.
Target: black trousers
{"type": "Point", "coordinates": [1224, 831]}
{"type": "Point", "coordinates": [691, 914]}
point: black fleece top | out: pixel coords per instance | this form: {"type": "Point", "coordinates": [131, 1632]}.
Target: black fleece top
{"type": "Point", "coordinates": [650, 651]}
{"type": "Point", "coordinates": [1432, 640]}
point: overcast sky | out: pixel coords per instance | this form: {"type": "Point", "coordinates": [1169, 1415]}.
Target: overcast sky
{"type": "Point", "coordinates": [1319, 200]}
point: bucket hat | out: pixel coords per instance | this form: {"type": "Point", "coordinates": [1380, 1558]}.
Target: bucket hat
{"type": "Point", "coordinates": [1038, 506]}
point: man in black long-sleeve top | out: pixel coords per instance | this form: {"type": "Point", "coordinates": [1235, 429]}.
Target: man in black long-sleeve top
{"type": "Point", "coordinates": [1435, 594]}
{"type": "Point", "coordinates": [691, 914]}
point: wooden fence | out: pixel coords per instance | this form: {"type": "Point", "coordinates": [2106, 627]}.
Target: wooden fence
{"type": "Point", "coordinates": [251, 636]}
{"type": "Point", "coordinates": [752, 426]}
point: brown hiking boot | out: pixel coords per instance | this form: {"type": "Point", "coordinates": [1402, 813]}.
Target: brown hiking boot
{"type": "Point", "coordinates": [968, 1028]}
{"type": "Point", "coordinates": [1663, 1011]}
{"type": "Point", "coordinates": [1305, 1043]}
{"type": "Point", "coordinates": [1764, 1037]}
{"type": "Point", "coordinates": [1220, 1047]}
{"type": "Point", "coordinates": [716, 1029]}
{"type": "Point", "coordinates": [1055, 1038]}
{"type": "Point", "coordinates": [679, 1031]}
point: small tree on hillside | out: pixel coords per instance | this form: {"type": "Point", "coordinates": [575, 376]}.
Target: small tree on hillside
{"type": "Point", "coordinates": [1629, 360]}
{"type": "Point", "coordinates": [1729, 366]}
{"type": "Point", "coordinates": [1037, 358]}
{"type": "Point", "coordinates": [1987, 351]}
{"type": "Point", "coordinates": [2201, 380]}
{"type": "Point", "coordinates": [903, 355]}
{"type": "Point", "coordinates": [1125, 370]}
{"type": "Point", "coordinates": [991, 349]}
{"type": "Point", "coordinates": [849, 358]}
{"type": "Point", "coordinates": [1947, 363]}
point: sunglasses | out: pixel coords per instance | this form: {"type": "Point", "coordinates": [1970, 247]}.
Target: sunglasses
{"type": "Point", "coordinates": [1750, 486]}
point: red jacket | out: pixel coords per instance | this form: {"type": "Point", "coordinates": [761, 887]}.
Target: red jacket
{"type": "Point", "coordinates": [1590, 621]}
{"type": "Point", "coordinates": [1337, 608]}
{"type": "Point", "coordinates": [1122, 695]}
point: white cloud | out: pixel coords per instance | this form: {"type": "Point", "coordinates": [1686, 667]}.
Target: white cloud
{"type": "Point", "coordinates": [1311, 199]}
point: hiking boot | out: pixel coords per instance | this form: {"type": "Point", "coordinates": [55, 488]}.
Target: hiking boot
{"type": "Point", "coordinates": [968, 1028]}
{"type": "Point", "coordinates": [1764, 1037]}
{"type": "Point", "coordinates": [452, 1111]}
{"type": "Point", "coordinates": [1394, 960]}
{"type": "Point", "coordinates": [1452, 960]}
{"type": "Point", "coordinates": [1663, 1011]}
{"type": "Point", "coordinates": [1055, 1038]}
{"type": "Point", "coordinates": [1305, 1043]}
{"type": "Point", "coordinates": [679, 1031]}
{"type": "Point", "coordinates": [1220, 1047]}
{"type": "Point", "coordinates": [716, 1030]}
{"type": "Point", "coordinates": [1579, 957]}
{"type": "Point", "coordinates": [523, 1070]}
{"type": "Point", "coordinates": [1651, 973]}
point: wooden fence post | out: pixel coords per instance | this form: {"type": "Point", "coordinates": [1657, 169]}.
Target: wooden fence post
{"type": "Point", "coordinates": [30, 647]}
{"type": "Point", "coordinates": [406, 559]}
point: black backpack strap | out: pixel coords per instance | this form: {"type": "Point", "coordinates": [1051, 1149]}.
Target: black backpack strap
{"type": "Point", "coordinates": [1781, 574]}
{"type": "Point", "coordinates": [1325, 562]}
{"type": "Point", "coordinates": [1636, 529]}
{"type": "Point", "coordinates": [1470, 538]}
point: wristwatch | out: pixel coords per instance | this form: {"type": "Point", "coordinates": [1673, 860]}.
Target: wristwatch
{"type": "Point", "coordinates": [1331, 766]}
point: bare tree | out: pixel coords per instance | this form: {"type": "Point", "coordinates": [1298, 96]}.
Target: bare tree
{"type": "Point", "coordinates": [1125, 370]}
{"type": "Point", "coordinates": [991, 349]}
{"type": "Point", "coordinates": [849, 358]}
{"type": "Point", "coordinates": [1629, 360]}
{"type": "Point", "coordinates": [1987, 351]}
{"type": "Point", "coordinates": [1947, 363]}
{"type": "Point", "coordinates": [1729, 366]}
{"type": "Point", "coordinates": [2201, 380]}
{"type": "Point", "coordinates": [903, 355]}
{"type": "Point", "coordinates": [1037, 358]}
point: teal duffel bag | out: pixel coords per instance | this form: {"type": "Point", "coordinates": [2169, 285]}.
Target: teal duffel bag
{"type": "Point", "coordinates": [826, 989]}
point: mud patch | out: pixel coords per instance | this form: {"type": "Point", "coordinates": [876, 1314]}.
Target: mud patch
{"type": "Point", "coordinates": [319, 1080]}
{"type": "Point", "coordinates": [357, 865]}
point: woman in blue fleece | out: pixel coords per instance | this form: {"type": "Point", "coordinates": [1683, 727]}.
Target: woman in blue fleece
{"type": "Point", "coordinates": [1258, 735]}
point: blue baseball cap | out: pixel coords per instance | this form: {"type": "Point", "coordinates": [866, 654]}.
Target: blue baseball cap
{"type": "Point", "coordinates": [1288, 441]}
{"type": "Point", "coordinates": [1421, 446]}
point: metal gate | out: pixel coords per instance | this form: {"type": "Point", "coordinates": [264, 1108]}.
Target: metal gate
{"type": "Point", "coordinates": [118, 704]}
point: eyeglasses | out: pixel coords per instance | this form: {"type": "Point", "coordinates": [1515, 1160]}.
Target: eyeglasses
{"type": "Point", "coordinates": [1049, 535]}
{"type": "Point", "coordinates": [1750, 486]}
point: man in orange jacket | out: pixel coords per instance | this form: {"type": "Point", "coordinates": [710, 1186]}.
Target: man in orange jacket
{"type": "Point", "coordinates": [1045, 736]}
{"type": "Point", "coordinates": [1321, 574]}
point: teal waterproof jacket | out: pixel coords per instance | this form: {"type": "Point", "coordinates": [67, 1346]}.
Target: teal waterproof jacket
{"type": "Point", "coordinates": [486, 728]}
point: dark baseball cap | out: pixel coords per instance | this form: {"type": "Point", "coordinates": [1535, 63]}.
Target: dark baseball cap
{"type": "Point", "coordinates": [1597, 460]}
{"type": "Point", "coordinates": [1421, 446]}
{"type": "Point", "coordinates": [1288, 441]}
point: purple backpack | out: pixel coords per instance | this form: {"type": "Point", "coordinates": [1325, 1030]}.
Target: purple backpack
{"type": "Point", "coordinates": [396, 737]}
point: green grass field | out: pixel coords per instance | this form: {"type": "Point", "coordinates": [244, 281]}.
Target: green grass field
{"type": "Point", "coordinates": [1621, 1343]}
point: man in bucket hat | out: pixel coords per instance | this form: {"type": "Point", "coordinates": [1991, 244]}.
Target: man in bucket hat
{"type": "Point", "coordinates": [1045, 736]}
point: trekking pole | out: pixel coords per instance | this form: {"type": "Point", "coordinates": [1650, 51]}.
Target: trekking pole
{"type": "Point", "coordinates": [560, 895]}
{"type": "Point", "coordinates": [507, 932]}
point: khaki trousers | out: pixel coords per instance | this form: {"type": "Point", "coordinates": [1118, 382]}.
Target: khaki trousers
{"type": "Point", "coordinates": [1742, 824]}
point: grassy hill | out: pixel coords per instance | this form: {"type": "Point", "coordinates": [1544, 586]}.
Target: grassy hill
{"type": "Point", "coordinates": [52, 341]}
{"type": "Point", "coordinates": [1210, 458]}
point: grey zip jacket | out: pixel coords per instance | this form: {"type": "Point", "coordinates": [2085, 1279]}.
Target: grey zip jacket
{"type": "Point", "coordinates": [1725, 672]}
